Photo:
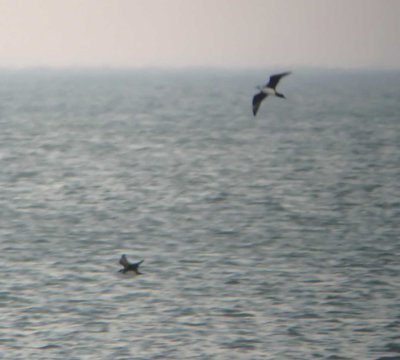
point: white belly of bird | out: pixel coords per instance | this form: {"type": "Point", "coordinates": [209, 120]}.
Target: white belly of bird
{"type": "Point", "coordinates": [269, 91]}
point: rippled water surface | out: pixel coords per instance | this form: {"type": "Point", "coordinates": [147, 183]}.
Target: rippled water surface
{"type": "Point", "coordinates": [268, 238]}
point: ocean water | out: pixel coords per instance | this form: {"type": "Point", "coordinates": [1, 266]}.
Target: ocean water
{"type": "Point", "coordinates": [275, 237]}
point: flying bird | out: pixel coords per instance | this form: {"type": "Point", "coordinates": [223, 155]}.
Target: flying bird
{"type": "Point", "coordinates": [268, 89]}
{"type": "Point", "coordinates": [128, 266]}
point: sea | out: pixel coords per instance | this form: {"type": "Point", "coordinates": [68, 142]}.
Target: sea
{"type": "Point", "coordinates": [268, 237]}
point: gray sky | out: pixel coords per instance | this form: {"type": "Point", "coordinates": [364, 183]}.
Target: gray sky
{"type": "Point", "coordinates": [228, 33]}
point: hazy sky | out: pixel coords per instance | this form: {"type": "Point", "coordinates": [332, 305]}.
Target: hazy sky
{"type": "Point", "coordinates": [244, 33]}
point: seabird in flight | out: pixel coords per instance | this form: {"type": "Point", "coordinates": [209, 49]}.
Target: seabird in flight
{"type": "Point", "coordinates": [128, 266]}
{"type": "Point", "coordinates": [268, 89]}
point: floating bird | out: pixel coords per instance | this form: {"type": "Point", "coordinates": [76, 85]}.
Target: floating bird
{"type": "Point", "coordinates": [128, 266]}
{"type": "Point", "coordinates": [268, 89]}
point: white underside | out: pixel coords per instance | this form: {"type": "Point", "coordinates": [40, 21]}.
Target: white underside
{"type": "Point", "coordinates": [269, 91]}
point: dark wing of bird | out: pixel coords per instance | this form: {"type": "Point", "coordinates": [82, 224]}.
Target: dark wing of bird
{"type": "Point", "coordinates": [257, 99]}
{"type": "Point", "coordinates": [124, 261]}
{"type": "Point", "coordinates": [274, 79]}
{"type": "Point", "coordinates": [138, 263]}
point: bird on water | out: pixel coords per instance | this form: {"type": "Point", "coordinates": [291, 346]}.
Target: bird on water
{"type": "Point", "coordinates": [268, 89]}
{"type": "Point", "coordinates": [128, 266]}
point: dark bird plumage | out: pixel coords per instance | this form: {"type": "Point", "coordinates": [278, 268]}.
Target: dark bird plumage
{"type": "Point", "coordinates": [268, 89]}
{"type": "Point", "coordinates": [128, 266]}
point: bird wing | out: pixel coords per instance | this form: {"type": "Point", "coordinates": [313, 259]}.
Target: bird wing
{"type": "Point", "coordinates": [274, 79]}
{"type": "Point", "coordinates": [137, 263]}
{"type": "Point", "coordinates": [124, 261]}
{"type": "Point", "coordinates": [257, 99]}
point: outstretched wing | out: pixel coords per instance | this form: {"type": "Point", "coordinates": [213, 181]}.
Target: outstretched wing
{"type": "Point", "coordinates": [135, 267]}
{"type": "Point", "coordinates": [138, 263]}
{"type": "Point", "coordinates": [124, 261]}
{"type": "Point", "coordinates": [257, 99]}
{"type": "Point", "coordinates": [274, 79]}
